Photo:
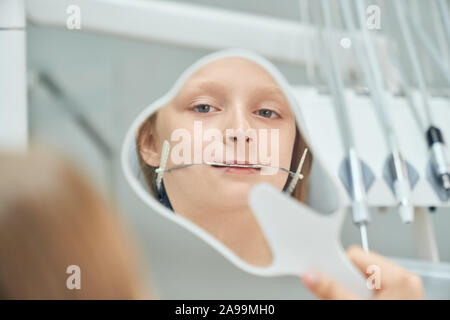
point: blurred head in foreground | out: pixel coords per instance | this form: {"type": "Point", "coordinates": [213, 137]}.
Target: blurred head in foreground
{"type": "Point", "coordinates": [51, 219]}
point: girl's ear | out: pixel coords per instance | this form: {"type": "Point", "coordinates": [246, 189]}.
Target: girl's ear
{"type": "Point", "coordinates": [148, 147]}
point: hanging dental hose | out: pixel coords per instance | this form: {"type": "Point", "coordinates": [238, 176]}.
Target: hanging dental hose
{"type": "Point", "coordinates": [439, 27]}
{"type": "Point", "coordinates": [444, 10]}
{"type": "Point", "coordinates": [404, 80]}
{"type": "Point", "coordinates": [308, 49]}
{"type": "Point", "coordinates": [372, 74]}
{"type": "Point", "coordinates": [431, 50]}
{"type": "Point", "coordinates": [405, 85]}
{"type": "Point", "coordinates": [360, 210]}
{"type": "Point", "coordinates": [433, 133]}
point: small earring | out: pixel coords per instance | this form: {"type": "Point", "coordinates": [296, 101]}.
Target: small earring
{"type": "Point", "coordinates": [298, 175]}
{"type": "Point", "coordinates": [162, 164]}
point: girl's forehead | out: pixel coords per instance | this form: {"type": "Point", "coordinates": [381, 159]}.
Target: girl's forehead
{"type": "Point", "coordinates": [236, 76]}
{"type": "Point", "coordinates": [232, 70]}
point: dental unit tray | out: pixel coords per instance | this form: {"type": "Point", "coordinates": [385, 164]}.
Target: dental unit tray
{"type": "Point", "coordinates": [370, 142]}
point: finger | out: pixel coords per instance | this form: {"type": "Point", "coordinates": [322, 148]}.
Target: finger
{"type": "Point", "coordinates": [365, 260]}
{"type": "Point", "coordinates": [323, 287]}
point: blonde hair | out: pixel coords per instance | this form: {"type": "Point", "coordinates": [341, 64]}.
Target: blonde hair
{"type": "Point", "coordinates": [51, 218]}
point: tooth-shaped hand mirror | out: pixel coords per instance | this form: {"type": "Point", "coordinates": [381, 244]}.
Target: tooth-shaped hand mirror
{"type": "Point", "coordinates": [225, 154]}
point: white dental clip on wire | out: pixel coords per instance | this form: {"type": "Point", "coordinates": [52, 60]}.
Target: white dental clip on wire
{"type": "Point", "coordinates": [162, 164]}
{"type": "Point", "coordinates": [297, 175]}
{"type": "Point", "coordinates": [165, 156]}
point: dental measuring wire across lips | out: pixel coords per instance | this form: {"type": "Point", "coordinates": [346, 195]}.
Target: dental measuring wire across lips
{"type": "Point", "coordinates": [165, 156]}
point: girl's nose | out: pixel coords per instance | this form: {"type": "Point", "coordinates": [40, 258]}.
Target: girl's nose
{"type": "Point", "coordinates": [237, 125]}
{"type": "Point", "coordinates": [235, 137]}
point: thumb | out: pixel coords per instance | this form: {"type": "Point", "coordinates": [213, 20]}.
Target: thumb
{"type": "Point", "coordinates": [323, 287]}
{"type": "Point", "coordinates": [363, 260]}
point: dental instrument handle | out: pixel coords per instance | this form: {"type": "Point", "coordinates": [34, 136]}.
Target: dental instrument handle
{"type": "Point", "coordinates": [401, 185]}
{"type": "Point", "coordinates": [433, 134]}
{"type": "Point", "coordinates": [371, 69]}
{"type": "Point", "coordinates": [437, 146]}
{"type": "Point", "coordinates": [360, 210]}
{"type": "Point", "coordinates": [364, 237]}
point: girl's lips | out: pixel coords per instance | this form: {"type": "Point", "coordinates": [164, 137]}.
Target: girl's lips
{"type": "Point", "coordinates": [238, 170]}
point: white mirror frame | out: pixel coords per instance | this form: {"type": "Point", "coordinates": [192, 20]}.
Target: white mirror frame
{"type": "Point", "coordinates": [300, 237]}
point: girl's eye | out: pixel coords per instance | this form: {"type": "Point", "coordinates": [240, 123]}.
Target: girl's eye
{"type": "Point", "coordinates": [204, 108]}
{"type": "Point", "coordinates": [266, 113]}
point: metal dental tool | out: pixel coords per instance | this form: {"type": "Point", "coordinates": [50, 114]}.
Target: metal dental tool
{"type": "Point", "coordinates": [433, 134]}
{"type": "Point", "coordinates": [369, 63]}
{"type": "Point", "coordinates": [165, 156]}
{"type": "Point", "coordinates": [360, 210]}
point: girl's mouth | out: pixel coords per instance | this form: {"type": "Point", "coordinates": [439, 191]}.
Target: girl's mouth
{"type": "Point", "coordinates": [235, 168]}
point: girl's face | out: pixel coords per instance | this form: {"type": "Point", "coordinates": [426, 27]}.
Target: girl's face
{"type": "Point", "coordinates": [229, 96]}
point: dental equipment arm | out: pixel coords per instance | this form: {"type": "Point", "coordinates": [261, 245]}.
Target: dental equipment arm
{"type": "Point", "coordinates": [433, 134]}
{"type": "Point", "coordinates": [360, 210]}
{"type": "Point", "coordinates": [373, 77]}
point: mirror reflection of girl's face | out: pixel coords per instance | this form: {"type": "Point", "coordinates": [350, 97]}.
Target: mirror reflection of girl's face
{"type": "Point", "coordinates": [230, 93]}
